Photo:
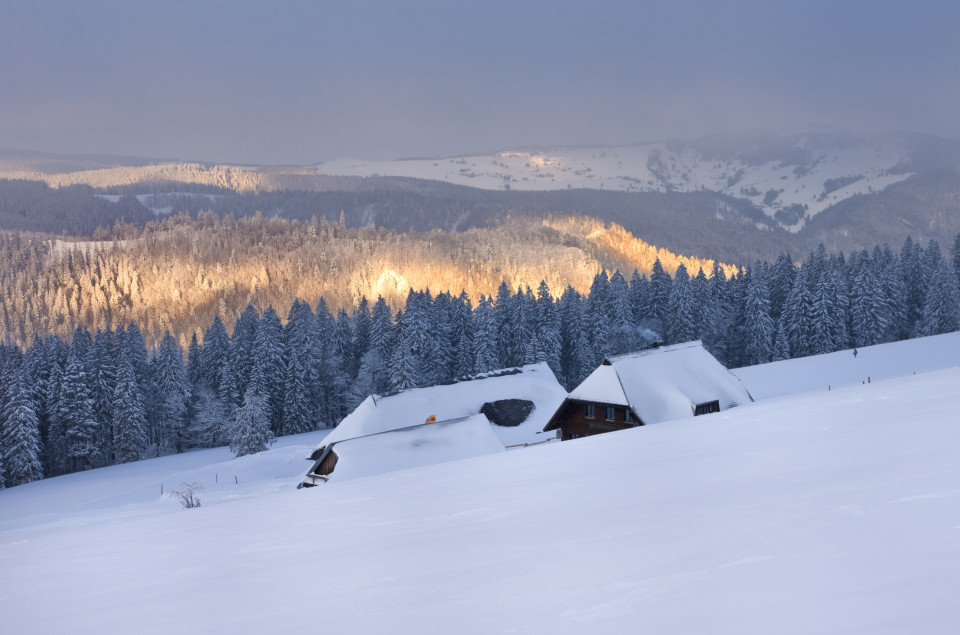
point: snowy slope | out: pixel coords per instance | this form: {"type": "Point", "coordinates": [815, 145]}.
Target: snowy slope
{"type": "Point", "coordinates": [787, 176]}
{"type": "Point", "coordinates": [829, 512]}
{"type": "Point", "coordinates": [135, 487]}
{"type": "Point", "coordinates": [843, 368]}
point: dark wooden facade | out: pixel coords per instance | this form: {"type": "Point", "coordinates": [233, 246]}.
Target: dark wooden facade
{"type": "Point", "coordinates": [573, 419]}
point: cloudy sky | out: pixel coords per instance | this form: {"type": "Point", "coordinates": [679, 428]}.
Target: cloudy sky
{"type": "Point", "coordinates": [302, 82]}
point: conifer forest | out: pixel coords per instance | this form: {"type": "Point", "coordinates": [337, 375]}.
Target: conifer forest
{"type": "Point", "coordinates": [93, 399]}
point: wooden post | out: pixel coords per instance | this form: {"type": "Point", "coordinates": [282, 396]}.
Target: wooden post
{"type": "Point", "coordinates": [235, 480]}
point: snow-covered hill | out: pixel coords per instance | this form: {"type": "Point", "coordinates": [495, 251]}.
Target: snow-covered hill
{"type": "Point", "coordinates": [789, 176]}
{"type": "Point", "coordinates": [809, 513]}
{"type": "Point", "coordinates": [843, 368]}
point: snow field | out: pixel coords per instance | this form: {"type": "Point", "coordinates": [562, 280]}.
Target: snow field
{"type": "Point", "coordinates": [843, 368]}
{"type": "Point", "coordinates": [817, 513]}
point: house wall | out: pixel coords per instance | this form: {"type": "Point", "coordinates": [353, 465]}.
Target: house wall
{"type": "Point", "coordinates": [574, 422]}
{"type": "Point", "coordinates": [326, 466]}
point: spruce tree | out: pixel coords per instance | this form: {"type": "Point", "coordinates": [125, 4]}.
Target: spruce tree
{"type": "Point", "coordinates": [55, 444]}
{"type": "Point", "coordinates": [759, 329]}
{"type": "Point", "coordinates": [251, 431]}
{"type": "Point", "coordinates": [503, 328]}
{"type": "Point", "coordinates": [103, 368]}
{"type": "Point", "coordinates": [660, 285]}
{"type": "Point", "coordinates": [622, 335]}
{"type": "Point", "coordinates": [781, 345]}
{"type": "Point", "coordinates": [381, 329]}
{"type": "Point", "coordinates": [869, 314]}
{"type": "Point", "coordinates": [173, 393]}
{"type": "Point", "coordinates": [300, 347]}
{"type": "Point", "coordinates": [77, 418]}
{"type": "Point", "coordinates": [639, 298]}
{"type": "Point", "coordinates": [681, 321]}
{"type": "Point", "coordinates": [462, 334]}
{"type": "Point", "coordinates": [360, 325]}
{"type": "Point", "coordinates": [242, 351]}
{"type": "Point", "coordinates": [269, 366]}
{"type": "Point", "coordinates": [547, 329]}
{"type": "Point", "coordinates": [20, 436]}
{"type": "Point", "coordinates": [941, 312]}
{"type": "Point", "coordinates": [130, 427]}
{"type": "Point", "coordinates": [596, 320]}
{"type": "Point", "coordinates": [214, 354]}
{"type": "Point", "coordinates": [485, 337]}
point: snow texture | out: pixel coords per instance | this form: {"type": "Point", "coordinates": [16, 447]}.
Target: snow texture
{"type": "Point", "coordinates": [663, 383]}
{"type": "Point", "coordinates": [843, 368]}
{"type": "Point", "coordinates": [823, 512]}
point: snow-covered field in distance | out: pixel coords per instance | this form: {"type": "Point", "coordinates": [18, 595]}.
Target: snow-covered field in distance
{"type": "Point", "coordinates": [813, 171]}
{"type": "Point", "coordinates": [843, 368]}
{"type": "Point", "coordinates": [818, 512]}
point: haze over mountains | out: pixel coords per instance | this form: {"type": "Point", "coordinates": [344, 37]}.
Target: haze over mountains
{"type": "Point", "coordinates": [729, 197]}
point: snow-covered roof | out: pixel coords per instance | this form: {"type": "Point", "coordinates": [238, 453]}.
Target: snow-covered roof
{"type": "Point", "coordinates": [535, 383]}
{"type": "Point", "coordinates": [663, 383]}
{"type": "Point", "coordinates": [602, 386]}
{"type": "Point", "coordinates": [425, 444]}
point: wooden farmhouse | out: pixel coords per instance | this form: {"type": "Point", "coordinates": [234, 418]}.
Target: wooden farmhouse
{"type": "Point", "coordinates": [650, 386]}
{"type": "Point", "coordinates": [494, 411]}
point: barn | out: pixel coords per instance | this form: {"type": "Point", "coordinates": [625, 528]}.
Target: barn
{"type": "Point", "coordinates": [511, 405]}
{"type": "Point", "coordinates": [649, 386]}
{"type": "Point", "coordinates": [405, 448]}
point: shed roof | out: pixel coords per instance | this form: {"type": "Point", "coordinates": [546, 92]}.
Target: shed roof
{"type": "Point", "coordinates": [534, 382]}
{"type": "Point", "coordinates": [425, 444]}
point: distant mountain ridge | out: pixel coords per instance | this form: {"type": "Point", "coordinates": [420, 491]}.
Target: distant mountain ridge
{"type": "Point", "coordinates": [789, 176]}
{"type": "Point", "coordinates": [729, 197]}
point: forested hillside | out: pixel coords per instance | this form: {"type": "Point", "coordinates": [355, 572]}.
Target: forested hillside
{"type": "Point", "coordinates": [178, 273]}
{"type": "Point", "coordinates": [107, 397]}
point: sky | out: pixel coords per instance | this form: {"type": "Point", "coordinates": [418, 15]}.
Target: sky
{"type": "Point", "coordinates": [303, 82]}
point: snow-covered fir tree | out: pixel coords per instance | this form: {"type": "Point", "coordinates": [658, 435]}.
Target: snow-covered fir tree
{"type": "Point", "coordinates": [758, 327]}
{"type": "Point", "coordinates": [680, 315]}
{"type": "Point", "coordinates": [485, 337]}
{"type": "Point", "coordinates": [76, 417]}
{"type": "Point", "coordinates": [941, 310]}
{"type": "Point", "coordinates": [173, 393]}
{"type": "Point", "coordinates": [20, 435]}
{"type": "Point", "coordinates": [251, 430]}
{"type": "Point", "coordinates": [269, 366]}
{"type": "Point", "coordinates": [130, 428]}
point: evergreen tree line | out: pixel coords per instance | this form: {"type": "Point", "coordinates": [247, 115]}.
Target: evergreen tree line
{"type": "Point", "coordinates": [104, 398]}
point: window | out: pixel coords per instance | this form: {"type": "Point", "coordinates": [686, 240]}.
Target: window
{"type": "Point", "coordinates": [591, 411]}
{"type": "Point", "coordinates": [611, 413]}
{"type": "Point", "coordinates": [707, 408]}
{"type": "Point", "coordinates": [628, 415]}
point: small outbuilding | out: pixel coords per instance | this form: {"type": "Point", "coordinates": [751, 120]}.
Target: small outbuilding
{"type": "Point", "coordinates": [405, 448]}
{"type": "Point", "coordinates": [650, 386]}
{"type": "Point", "coordinates": [439, 423]}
